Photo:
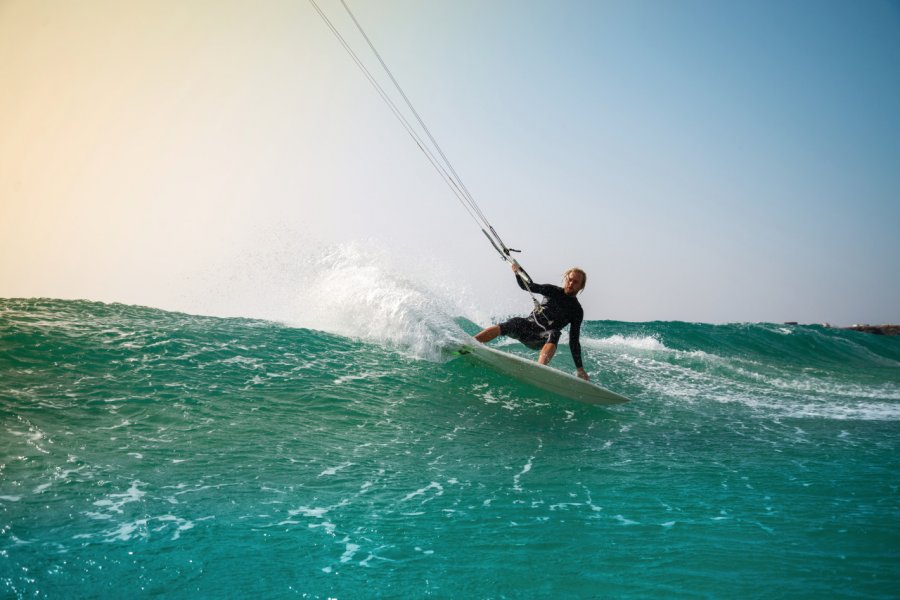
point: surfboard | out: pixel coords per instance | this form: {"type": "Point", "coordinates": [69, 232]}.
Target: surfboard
{"type": "Point", "coordinates": [541, 376]}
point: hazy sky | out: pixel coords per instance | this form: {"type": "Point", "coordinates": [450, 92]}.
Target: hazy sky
{"type": "Point", "coordinates": [702, 160]}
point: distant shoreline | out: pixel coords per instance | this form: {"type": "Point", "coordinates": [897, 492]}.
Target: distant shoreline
{"type": "Point", "coordinates": [876, 329]}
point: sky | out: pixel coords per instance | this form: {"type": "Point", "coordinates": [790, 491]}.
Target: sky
{"type": "Point", "coordinates": [702, 160]}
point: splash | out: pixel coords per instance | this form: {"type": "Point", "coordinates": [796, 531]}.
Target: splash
{"type": "Point", "coordinates": [369, 290]}
{"type": "Point", "coordinates": [365, 292]}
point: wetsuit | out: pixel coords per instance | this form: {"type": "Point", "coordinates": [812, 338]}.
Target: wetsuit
{"type": "Point", "coordinates": [545, 327]}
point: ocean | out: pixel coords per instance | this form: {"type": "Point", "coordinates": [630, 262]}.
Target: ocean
{"type": "Point", "coordinates": [146, 453]}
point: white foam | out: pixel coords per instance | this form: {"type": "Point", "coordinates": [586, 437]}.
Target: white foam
{"type": "Point", "coordinates": [361, 377]}
{"type": "Point", "coordinates": [365, 293]}
{"type": "Point", "coordinates": [126, 531]}
{"type": "Point", "coordinates": [115, 502]}
{"type": "Point", "coordinates": [770, 389]}
{"type": "Point", "coordinates": [315, 513]}
{"type": "Point", "coordinates": [865, 411]}
{"type": "Point", "coordinates": [328, 526]}
{"type": "Point", "coordinates": [620, 341]}
{"type": "Point", "coordinates": [349, 551]}
{"type": "Point", "coordinates": [563, 505]}
{"type": "Point", "coordinates": [140, 528]}
{"type": "Point", "coordinates": [32, 437]}
{"type": "Point", "coordinates": [244, 361]}
{"type": "Point", "coordinates": [333, 470]}
{"type": "Point", "coordinates": [819, 385]}
{"type": "Point", "coordinates": [434, 485]}
{"type": "Point", "coordinates": [525, 469]}
{"type": "Point", "coordinates": [181, 524]}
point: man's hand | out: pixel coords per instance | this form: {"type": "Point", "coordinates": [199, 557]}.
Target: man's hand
{"type": "Point", "coordinates": [583, 374]}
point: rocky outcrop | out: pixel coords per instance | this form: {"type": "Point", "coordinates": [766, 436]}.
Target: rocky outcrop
{"type": "Point", "coordinates": [877, 329]}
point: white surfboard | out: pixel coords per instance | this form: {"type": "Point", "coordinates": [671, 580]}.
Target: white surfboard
{"type": "Point", "coordinates": [544, 377]}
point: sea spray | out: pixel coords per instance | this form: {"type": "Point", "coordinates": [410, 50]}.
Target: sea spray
{"type": "Point", "coordinates": [365, 290]}
{"type": "Point", "coordinates": [363, 293]}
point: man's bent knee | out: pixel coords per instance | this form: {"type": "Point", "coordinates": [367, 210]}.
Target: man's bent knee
{"type": "Point", "coordinates": [488, 334]}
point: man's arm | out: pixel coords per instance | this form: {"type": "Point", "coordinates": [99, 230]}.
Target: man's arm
{"type": "Point", "coordinates": [575, 346]}
{"type": "Point", "coordinates": [544, 289]}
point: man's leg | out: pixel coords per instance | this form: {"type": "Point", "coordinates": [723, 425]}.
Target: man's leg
{"type": "Point", "coordinates": [488, 334]}
{"type": "Point", "coordinates": [547, 353]}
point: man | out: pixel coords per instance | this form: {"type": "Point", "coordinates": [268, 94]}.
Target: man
{"type": "Point", "coordinates": [542, 329]}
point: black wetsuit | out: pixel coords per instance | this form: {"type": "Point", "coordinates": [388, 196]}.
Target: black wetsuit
{"type": "Point", "coordinates": [545, 327]}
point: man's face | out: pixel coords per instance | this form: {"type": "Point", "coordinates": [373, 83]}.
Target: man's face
{"type": "Point", "coordinates": [573, 283]}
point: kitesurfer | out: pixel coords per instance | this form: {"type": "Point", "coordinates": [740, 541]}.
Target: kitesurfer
{"type": "Point", "coordinates": [541, 330]}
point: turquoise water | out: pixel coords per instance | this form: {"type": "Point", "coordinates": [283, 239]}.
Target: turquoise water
{"type": "Point", "coordinates": [149, 453]}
